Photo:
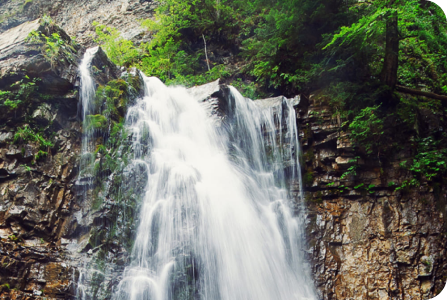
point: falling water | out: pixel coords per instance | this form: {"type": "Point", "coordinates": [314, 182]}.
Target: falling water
{"type": "Point", "coordinates": [87, 84]}
{"type": "Point", "coordinates": [87, 95]}
{"type": "Point", "coordinates": [215, 223]}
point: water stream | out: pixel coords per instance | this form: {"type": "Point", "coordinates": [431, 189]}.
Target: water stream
{"type": "Point", "coordinates": [216, 221]}
{"type": "Point", "coordinates": [87, 96]}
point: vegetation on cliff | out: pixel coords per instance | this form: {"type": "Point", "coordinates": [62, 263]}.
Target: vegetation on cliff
{"type": "Point", "coordinates": [380, 65]}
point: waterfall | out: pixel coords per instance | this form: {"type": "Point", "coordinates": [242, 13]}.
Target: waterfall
{"type": "Point", "coordinates": [87, 92]}
{"type": "Point", "coordinates": [87, 96]}
{"type": "Point", "coordinates": [216, 221]}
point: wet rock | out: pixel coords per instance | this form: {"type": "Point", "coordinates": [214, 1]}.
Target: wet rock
{"type": "Point", "coordinates": [35, 194]}
{"type": "Point", "coordinates": [103, 69]}
{"type": "Point", "coordinates": [43, 114]}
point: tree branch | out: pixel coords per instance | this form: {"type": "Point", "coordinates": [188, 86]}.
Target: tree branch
{"type": "Point", "coordinates": [408, 90]}
{"type": "Point", "coordinates": [206, 55]}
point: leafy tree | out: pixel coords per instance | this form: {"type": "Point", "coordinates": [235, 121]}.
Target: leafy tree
{"type": "Point", "coordinates": [390, 25]}
{"type": "Point", "coordinates": [282, 48]}
{"type": "Point", "coordinates": [121, 51]}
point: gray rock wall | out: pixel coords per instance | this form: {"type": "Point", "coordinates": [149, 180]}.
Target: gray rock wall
{"type": "Point", "coordinates": [76, 17]}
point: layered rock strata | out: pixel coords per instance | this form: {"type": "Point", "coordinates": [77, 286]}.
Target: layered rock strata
{"type": "Point", "coordinates": [40, 136]}
{"type": "Point", "coordinates": [368, 240]}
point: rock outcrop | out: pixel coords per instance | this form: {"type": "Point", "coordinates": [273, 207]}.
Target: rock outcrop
{"type": "Point", "coordinates": [39, 148]}
{"type": "Point", "coordinates": [368, 240]}
{"type": "Point", "coordinates": [40, 139]}
{"type": "Point", "coordinates": [76, 17]}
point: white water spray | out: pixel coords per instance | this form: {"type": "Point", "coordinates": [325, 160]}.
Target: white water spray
{"type": "Point", "coordinates": [215, 223]}
{"type": "Point", "coordinates": [87, 92]}
{"type": "Point", "coordinates": [87, 96]}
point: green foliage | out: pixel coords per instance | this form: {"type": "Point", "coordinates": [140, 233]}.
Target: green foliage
{"type": "Point", "coordinates": [431, 158]}
{"type": "Point", "coordinates": [26, 134]}
{"type": "Point", "coordinates": [20, 93]}
{"type": "Point", "coordinates": [369, 26]}
{"type": "Point", "coordinates": [331, 49]}
{"type": "Point", "coordinates": [27, 168]}
{"type": "Point", "coordinates": [13, 238]}
{"type": "Point", "coordinates": [46, 20]}
{"type": "Point", "coordinates": [423, 53]}
{"type": "Point", "coordinates": [367, 188]}
{"type": "Point", "coordinates": [367, 129]}
{"type": "Point", "coordinates": [98, 122]}
{"type": "Point", "coordinates": [121, 51]}
{"type": "Point", "coordinates": [54, 44]}
{"type": "Point", "coordinates": [169, 55]}
{"type": "Point", "coordinates": [248, 89]}
{"type": "Point", "coordinates": [112, 98]}
{"type": "Point", "coordinates": [282, 48]}
{"type": "Point", "coordinates": [351, 171]}
{"type": "Point", "coordinates": [55, 48]}
{"type": "Point", "coordinates": [342, 188]}
{"type": "Point", "coordinates": [406, 184]}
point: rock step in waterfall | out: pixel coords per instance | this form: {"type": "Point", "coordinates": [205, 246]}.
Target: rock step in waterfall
{"type": "Point", "coordinates": [216, 221]}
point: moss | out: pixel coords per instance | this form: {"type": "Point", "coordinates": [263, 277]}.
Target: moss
{"type": "Point", "coordinates": [318, 197]}
{"type": "Point", "coordinates": [113, 98]}
{"type": "Point", "coordinates": [98, 122]}
{"type": "Point", "coordinates": [308, 178]}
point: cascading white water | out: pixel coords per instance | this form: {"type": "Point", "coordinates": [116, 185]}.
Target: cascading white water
{"type": "Point", "coordinates": [87, 91]}
{"type": "Point", "coordinates": [87, 96]}
{"type": "Point", "coordinates": [215, 223]}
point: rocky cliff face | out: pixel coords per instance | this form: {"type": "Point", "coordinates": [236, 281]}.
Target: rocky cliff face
{"type": "Point", "coordinates": [41, 213]}
{"type": "Point", "coordinates": [39, 148]}
{"type": "Point", "coordinates": [368, 240]}
{"type": "Point", "coordinates": [76, 17]}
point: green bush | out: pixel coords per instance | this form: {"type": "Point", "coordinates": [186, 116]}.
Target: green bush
{"type": "Point", "coordinates": [26, 134]}
{"type": "Point", "coordinates": [367, 129]}
{"type": "Point", "coordinates": [20, 92]}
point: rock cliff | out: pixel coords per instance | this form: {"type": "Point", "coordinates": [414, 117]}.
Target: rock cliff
{"type": "Point", "coordinates": [367, 239]}
{"type": "Point", "coordinates": [41, 213]}
{"type": "Point", "coordinates": [39, 148]}
{"type": "Point", "coordinates": [76, 17]}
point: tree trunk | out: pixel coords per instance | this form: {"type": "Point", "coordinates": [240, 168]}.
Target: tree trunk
{"type": "Point", "coordinates": [389, 71]}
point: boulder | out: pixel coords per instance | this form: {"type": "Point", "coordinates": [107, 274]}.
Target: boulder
{"type": "Point", "coordinates": [21, 56]}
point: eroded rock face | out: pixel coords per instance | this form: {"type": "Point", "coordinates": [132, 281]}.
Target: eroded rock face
{"type": "Point", "coordinates": [367, 240]}
{"type": "Point", "coordinates": [40, 139]}
{"type": "Point", "coordinates": [76, 17]}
